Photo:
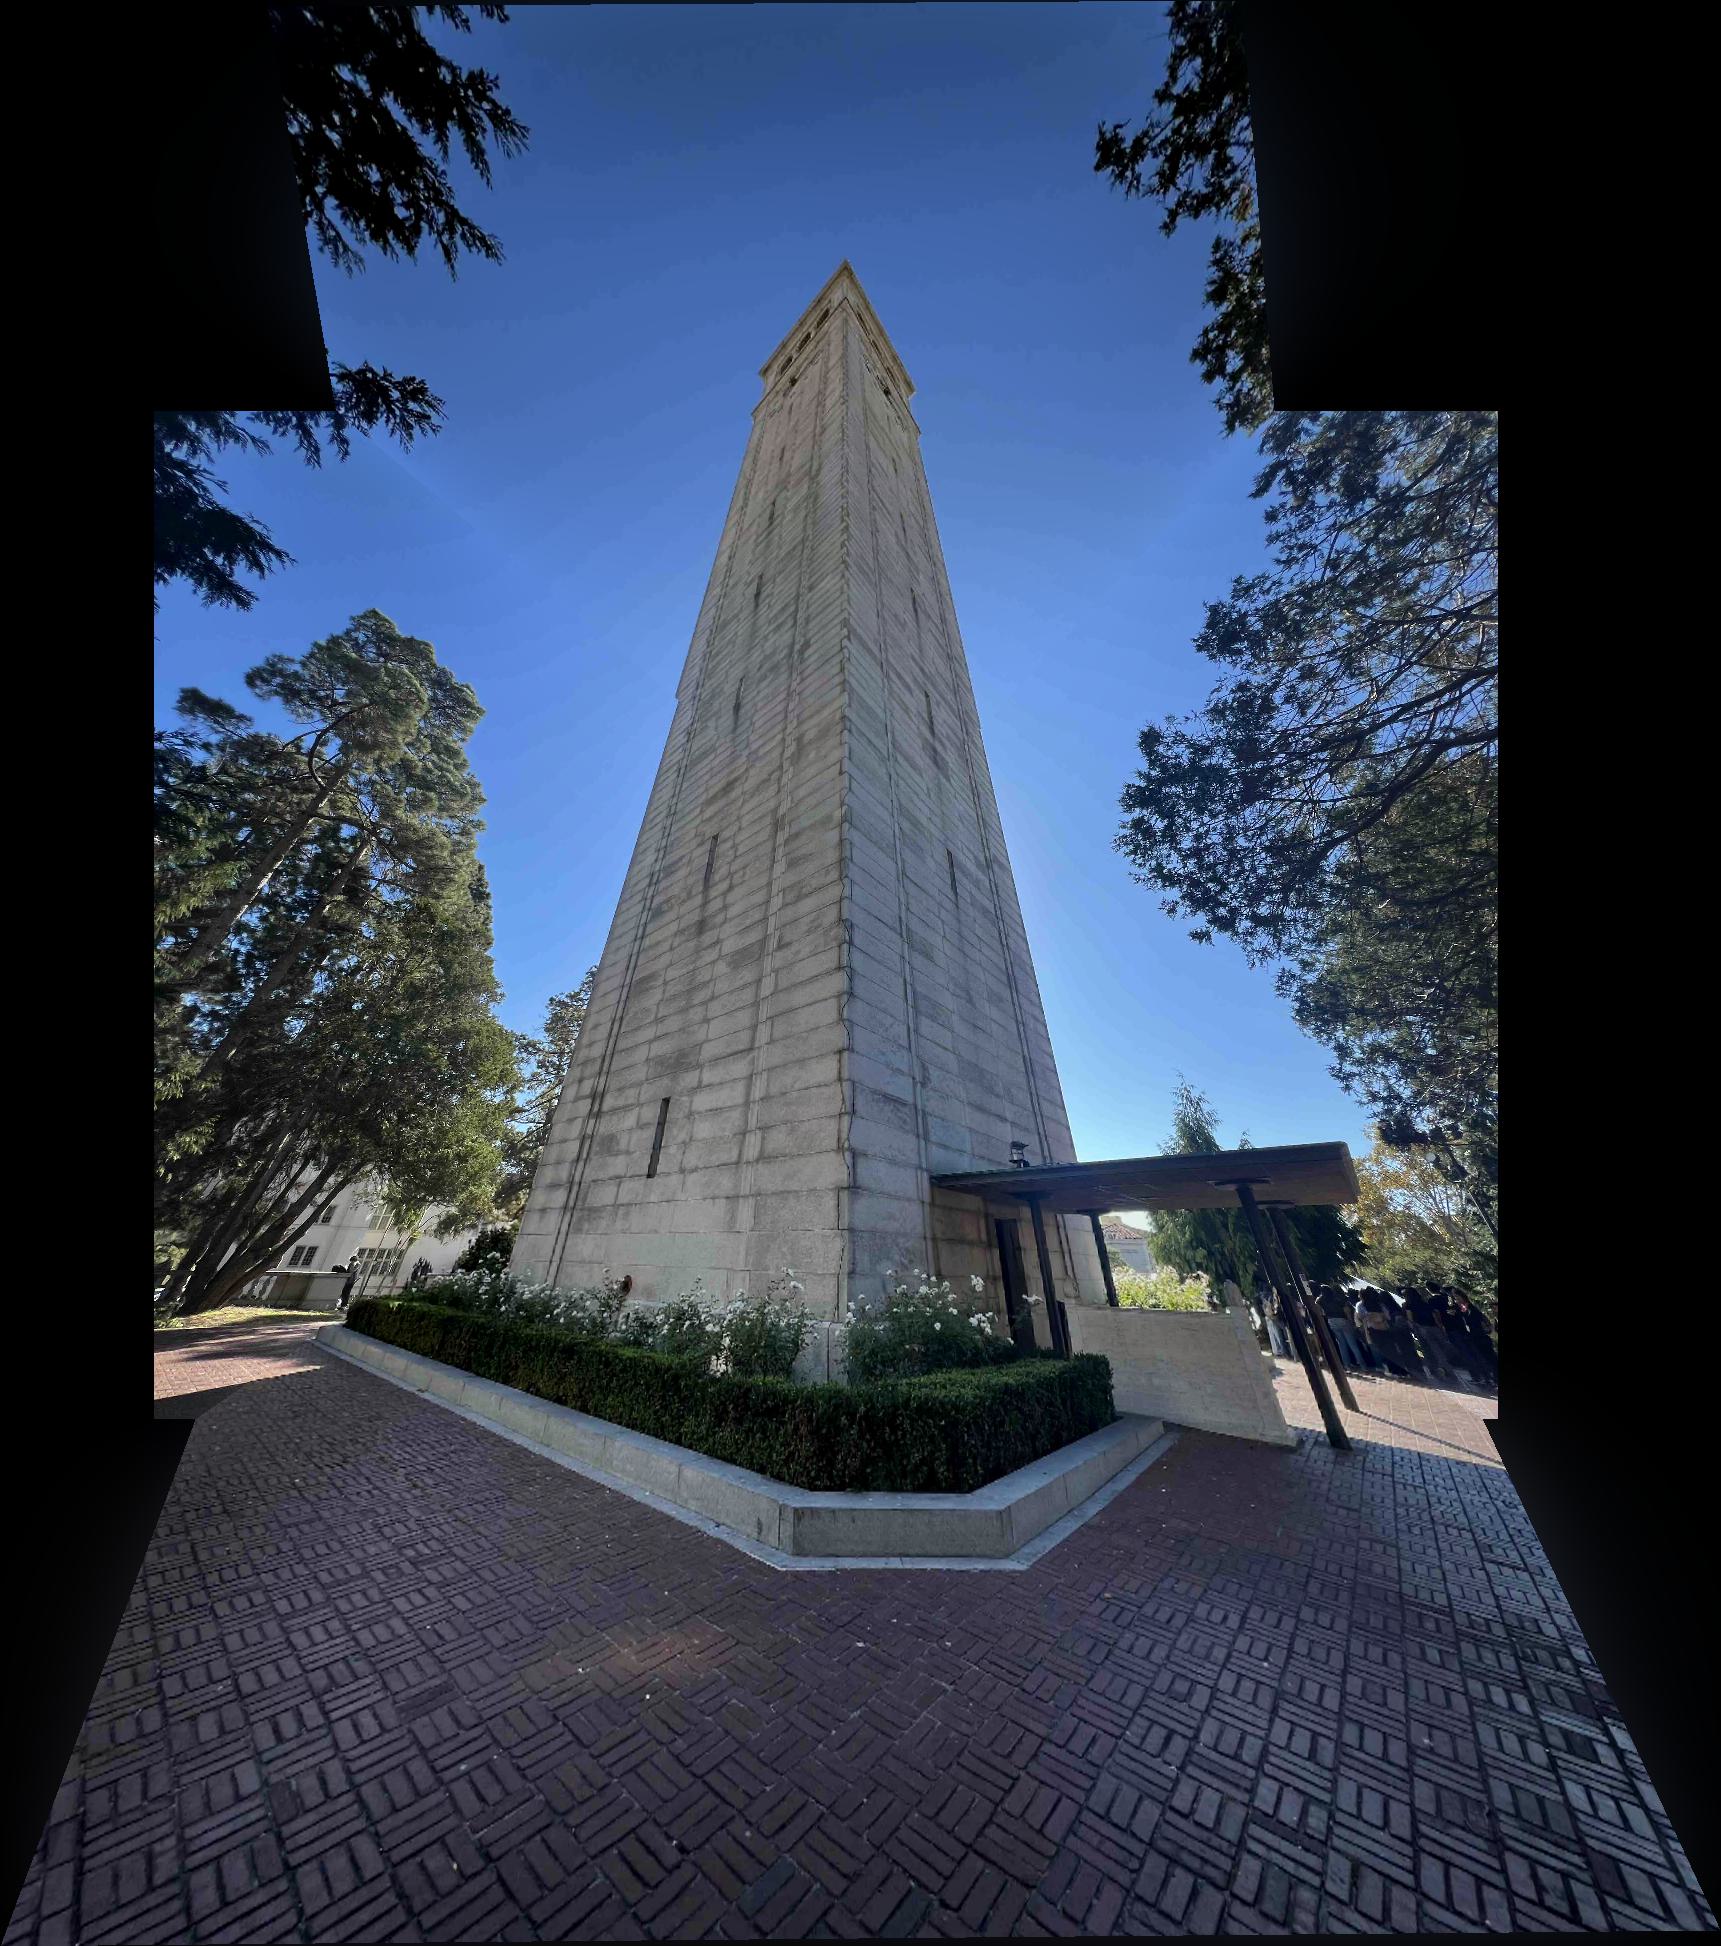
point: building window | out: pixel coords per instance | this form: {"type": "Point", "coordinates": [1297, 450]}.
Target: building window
{"type": "Point", "coordinates": [303, 1257]}
{"type": "Point", "coordinates": [950, 859]}
{"type": "Point", "coordinates": [328, 1215]}
{"type": "Point", "coordinates": [657, 1139]}
{"type": "Point", "coordinates": [711, 849]}
{"type": "Point", "coordinates": [931, 727]}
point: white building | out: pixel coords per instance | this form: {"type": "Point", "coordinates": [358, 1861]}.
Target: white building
{"type": "Point", "coordinates": [1128, 1244]}
{"type": "Point", "coordinates": [350, 1229]}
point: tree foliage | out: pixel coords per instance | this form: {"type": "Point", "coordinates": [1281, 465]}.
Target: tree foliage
{"type": "Point", "coordinates": [1333, 807]}
{"type": "Point", "coordinates": [544, 1061]}
{"type": "Point", "coordinates": [491, 1247]}
{"type": "Point", "coordinates": [1419, 1225]}
{"type": "Point", "coordinates": [1216, 1243]}
{"type": "Point", "coordinates": [323, 986]}
{"type": "Point", "coordinates": [372, 110]}
{"type": "Point", "coordinates": [365, 92]}
{"type": "Point", "coordinates": [1161, 1289]}
{"type": "Point", "coordinates": [201, 540]}
{"type": "Point", "coordinates": [1196, 155]}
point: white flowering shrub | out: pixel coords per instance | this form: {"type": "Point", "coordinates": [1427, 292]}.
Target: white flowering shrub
{"type": "Point", "coordinates": [761, 1337]}
{"type": "Point", "coordinates": [686, 1327]}
{"type": "Point", "coordinates": [750, 1337]}
{"type": "Point", "coordinates": [920, 1328]}
{"type": "Point", "coordinates": [591, 1312]}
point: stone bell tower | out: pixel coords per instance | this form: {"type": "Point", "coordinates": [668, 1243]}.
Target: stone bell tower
{"type": "Point", "coordinates": [817, 991]}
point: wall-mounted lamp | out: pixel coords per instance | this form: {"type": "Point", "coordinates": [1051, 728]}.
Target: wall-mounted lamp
{"type": "Point", "coordinates": [1018, 1155]}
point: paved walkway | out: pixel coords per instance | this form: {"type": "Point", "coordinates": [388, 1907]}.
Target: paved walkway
{"type": "Point", "coordinates": [387, 1676]}
{"type": "Point", "coordinates": [1415, 1418]}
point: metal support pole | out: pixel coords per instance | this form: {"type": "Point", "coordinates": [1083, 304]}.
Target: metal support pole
{"type": "Point", "coordinates": [1054, 1317]}
{"type": "Point", "coordinates": [1105, 1261]}
{"type": "Point", "coordinates": [1311, 1304]}
{"type": "Point", "coordinates": [1336, 1435]}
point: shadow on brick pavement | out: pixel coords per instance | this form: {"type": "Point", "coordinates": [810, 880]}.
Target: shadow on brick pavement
{"type": "Point", "coordinates": [387, 1676]}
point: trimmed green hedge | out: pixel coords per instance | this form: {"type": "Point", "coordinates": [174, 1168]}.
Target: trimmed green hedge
{"type": "Point", "coordinates": [949, 1432]}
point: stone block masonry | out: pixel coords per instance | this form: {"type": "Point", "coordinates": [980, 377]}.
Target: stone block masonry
{"type": "Point", "coordinates": [817, 990]}
{"type": "Point", "coordinates": [1195, 1368]}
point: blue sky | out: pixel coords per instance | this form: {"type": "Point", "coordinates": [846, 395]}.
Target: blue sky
{"type": "Point", "coordinates": [694, 175]}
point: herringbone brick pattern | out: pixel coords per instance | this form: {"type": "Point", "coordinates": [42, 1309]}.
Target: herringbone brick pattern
{"type": "Point", "coordinates": [387, 1676]}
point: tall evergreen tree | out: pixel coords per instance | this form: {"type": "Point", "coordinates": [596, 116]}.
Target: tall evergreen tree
{"type": "Point", "coordinates": [1333, 808]}
{"type": "Point", "coordinates": [1218, 1242]}
{"type": "Point", "coordinates": [323, 978]}
{"type": "Point", "coordinates": [544, 1062]}
{"type": "Point", "coordinates": [393, 1072]}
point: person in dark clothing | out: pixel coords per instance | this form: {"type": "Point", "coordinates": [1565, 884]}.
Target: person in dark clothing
{"type": "Point", "coordinates": [1377, 1317]}
{"type": "Point", "coordinates": [1479, 1337]}
{"type": "Point", "coordinates": [1333, 1308]}
{"type": "Point", "coordinates": [1443, 1302]}
{"type": "Point", "coordinates": [1404, 1348]}
{"type": "Point", "coordinates": [1426, 1330]}
{"type": "Point", "coordinates": [352, 1271]}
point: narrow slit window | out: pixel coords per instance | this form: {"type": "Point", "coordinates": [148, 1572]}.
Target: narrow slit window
{"type": "Point", "coordinates": [657, 1139]}
{"type": "Point", "coordinates": [950, 860]}
{"type": "Point", "coordinates": [711, 849]}
{"type": "Point", "coordinates": [758, 590]}
{"type": "Point", "coordinates": [931, 727]}
{"type": "Point", "coordinates": [735, 713]}
{"type": "Point", "coordinates": [914, 603]}
{"type": "Point", "coordinates": [771, 517]}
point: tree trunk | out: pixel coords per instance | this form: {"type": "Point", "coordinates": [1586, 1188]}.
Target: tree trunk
{"type": "Point", "coordinates": [260, 1250]}
{"type": "Point", "coordinates": [214, 1227]}
{"type": "Point", "coordinates": [223, 1227]}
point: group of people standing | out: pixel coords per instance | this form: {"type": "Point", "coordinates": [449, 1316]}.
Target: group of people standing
{"type": "Point", "coordinates": [1418, 1333]}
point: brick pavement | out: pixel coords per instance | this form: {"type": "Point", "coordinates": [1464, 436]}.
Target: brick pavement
{"type": "Point", "coordinates": [387, 1676]}
{"type": "Point", "coordinates": [1414, 1417]}
{"type": "Point", "coordinates": [191, 1360]}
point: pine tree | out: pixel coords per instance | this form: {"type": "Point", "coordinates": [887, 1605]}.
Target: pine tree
{"type": "Point", "coordinates": [324, 994]}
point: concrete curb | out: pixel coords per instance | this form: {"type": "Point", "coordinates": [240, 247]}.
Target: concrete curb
{"type": "Point", "coordinates": [1008, 1524]}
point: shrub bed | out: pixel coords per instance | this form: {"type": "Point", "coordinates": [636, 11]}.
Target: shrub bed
{"type": "Point", "coordinates": [949, 1432]}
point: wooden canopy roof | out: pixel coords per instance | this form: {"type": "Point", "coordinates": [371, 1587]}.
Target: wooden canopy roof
{"type": "Point", "coordinates": [1306, 1172]}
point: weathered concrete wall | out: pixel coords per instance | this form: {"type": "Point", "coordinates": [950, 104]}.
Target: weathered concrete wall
{"type": "Point", "coordinates": [818, 956]}
{"type": "Point", "coordinates": [1188, 1367]}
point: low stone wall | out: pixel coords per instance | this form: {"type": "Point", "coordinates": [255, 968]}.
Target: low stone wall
{"type": "Point", "coordinates": [299, 1290]}
{"type": "Point", "coordinates": [1192, 1368]}
{"type": "Point", "coordinates": [993, 1523]}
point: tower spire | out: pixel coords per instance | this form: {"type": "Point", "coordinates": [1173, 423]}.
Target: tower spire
{"type": "Point", "coordinates": [817, 990]}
